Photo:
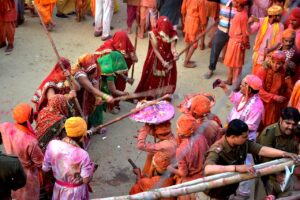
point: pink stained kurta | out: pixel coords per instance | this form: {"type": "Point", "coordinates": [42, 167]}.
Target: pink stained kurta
{"type": "Point", "coordinates": [259, 8]}
{"type": "Point", "coordinates": [238, 39]}
{"type": "Point", "coordinates": [26, 147]}
{"type": "Point", "coordinates": [67, 163]}
{"type": "Point", "coordinates": [256, 27]}
{"type": "Point", "coordinates": [190, 156]}
{"type": "Point", "coordinates": [251, 113]}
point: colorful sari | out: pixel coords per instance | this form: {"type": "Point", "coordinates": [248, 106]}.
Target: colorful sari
{"type": "Point", "coordinates": [154, 74]}
{"type": "Point", "coordinates": [51, 118]}
{"type": "Point", "coordinates": [110, 65]}
{"type": "Point", "coordinates": [56, 80]}
{"type": "Point", "coordinates": [120, 42]}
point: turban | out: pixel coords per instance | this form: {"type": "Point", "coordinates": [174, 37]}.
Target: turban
{"type": "Point", "coordinates": [295, 14]}
{"type": "Point", "coordinates": [161, 161]}
{"type": "Point", "coordinates": [278, 55]}
{"type": "Point", "coordinates": [186, 125]}
{"type": "Point", "coordinates": [22, 112]}
{"type": "Point", "coordinates": [75, 127]}
{"type": "Point", "coordinates": [275, 10]}
{"type": "Point", "coordinates": [200, 105]}
{"type": "Point", "coordinates": [163, 128]}
{"type": "Point", "coordinates": [289, 34]}
{"type": "Point", "coordinates": [253, 81]}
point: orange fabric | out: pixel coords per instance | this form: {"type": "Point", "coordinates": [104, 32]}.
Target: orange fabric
{"type": "Point", "coordinates": [148, 3]}
{"type": "Point", "coordinates": [212, 9]}
{"type": "Point", "coordinates": [200, 105]}
{"type": "Point", "coordinates": [273, 82]}
{"type": "Point", "coordinates": [195, 19]}
{"type": "Point", "coordinates": [238, 39]}
{"type": "Point", "coordinates": [22, 113]}
{"type": "Point", "coordinates": [93, 7]}
{"type": "Point", "coordinates": [289, 33]}
{"type": "Point", "coordinates": [295, 97]}
{"type": "Point", "coordinates": [256, 67]}
{"type": "Point", "coordinates": [7, 32]}
{"type": "Point", "coordinates": [186, 125]}
{"type": "Point", "coordinates": [161, 161]}
{"type": "Point", "coordinates": [145, 184]}
{"type": "Point", "coordinates": [75, 127]}
{"type": "Point", "coordinates": [163, 128]}
{"type": "Point", "coordinates": [45, 8]}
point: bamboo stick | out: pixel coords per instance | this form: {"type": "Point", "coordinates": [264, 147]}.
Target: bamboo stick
{"type": "Point", "coordinates": [133, 111]}
{"type": "Point", "coordinates": [58, 58]}
{"type": "Point", "coordinates": [267, 168]}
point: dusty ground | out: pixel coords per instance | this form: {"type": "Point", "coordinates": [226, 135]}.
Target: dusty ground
{"type": "Point", "coordinates": [33, 58]}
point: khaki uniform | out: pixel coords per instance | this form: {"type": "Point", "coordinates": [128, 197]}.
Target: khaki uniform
{"type": "Point", "coordinates": [221, 153]}
{"type": "Point", "coordinates": [272, 137]}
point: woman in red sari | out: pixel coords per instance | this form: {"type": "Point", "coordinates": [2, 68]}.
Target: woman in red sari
{"type": "Point", "coordinates": [159, 67]}
{"type": "Point", "coordinates": [51, 119]}
{"type": "Point", "coordinates": [54, 83]}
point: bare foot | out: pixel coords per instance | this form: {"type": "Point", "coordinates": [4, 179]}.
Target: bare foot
{"type": "Point", "coordinates": [129, 30]}
{"type": "Point", "coordinates": [189, 65]}
{"type": "Point", "coordinates": [221, 59]}
{"type": "Point", "coordinates": [202, 46]}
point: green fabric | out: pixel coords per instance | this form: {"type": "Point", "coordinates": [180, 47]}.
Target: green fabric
{"type": "Point", "coordinates": [112, 63]}
{"type": "Point", "coordinates": [96, 118]}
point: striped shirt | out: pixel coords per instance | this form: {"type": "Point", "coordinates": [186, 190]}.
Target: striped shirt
{"type": "Point", "coordinates": [224, 15]}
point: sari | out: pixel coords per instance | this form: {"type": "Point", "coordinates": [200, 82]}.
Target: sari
{"type": "Point", "coordinates": [154, 74]}
{"type": "Point", "coordinates": [110, 66]}
{"type": "Point", "coordinates": [87, 66]}
{"type": "Point", "coordinates": [56, 80]}
{"type": "Point", "coordinates": [119, 42]}
{"type": "Point", "coordinates": [50, 119]}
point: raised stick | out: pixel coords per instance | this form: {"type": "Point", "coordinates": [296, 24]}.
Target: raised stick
{"type": "Point", "coordinates": [133, 111]}
{"type": "Point", "coordinates": [58, 58]}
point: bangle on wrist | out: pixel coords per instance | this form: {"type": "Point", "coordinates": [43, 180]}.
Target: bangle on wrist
{"type": "Point", "coordinates": [105, 96]}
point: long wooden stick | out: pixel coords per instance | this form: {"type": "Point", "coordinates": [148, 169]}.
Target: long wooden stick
{"type": "Point", "coordinates": [133, 111]}
{"type": "Point", "coordinates": [198, 38]}
{"type": "Point", "coordinates": [58, 58]}
{"type": "Point", "coordinates": [152, 93]}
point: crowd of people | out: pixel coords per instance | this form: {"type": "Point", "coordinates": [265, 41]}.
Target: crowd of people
{"type": "Point", "coordinates": [52, 159]}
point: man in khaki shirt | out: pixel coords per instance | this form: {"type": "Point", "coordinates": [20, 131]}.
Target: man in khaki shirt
{"type": "Point", "coordinates": [229, 153]}
{"type": "Point", "coordinates": [280, 136]}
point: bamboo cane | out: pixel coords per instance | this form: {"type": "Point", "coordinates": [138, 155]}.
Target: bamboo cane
{"type": "Point", "coordinates": [58, 58]}
{"type": "Point", "coordinates": [151, 93]}
{"type": "Point", "coordinates": [268, 168]}
{"type": "Point", "coordinates": [133, 111]}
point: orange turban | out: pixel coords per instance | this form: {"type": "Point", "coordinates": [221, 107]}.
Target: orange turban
{"type": "Point", "coordinates": [253, 81]}
{"type": "Point", "coordinates": [22, 112]}
{"type": "Point", "coordinates": [200, 105]}
{"type": "Point", "coordinates": [278, 55]}
{"type": "Point", "coordinates": [161, 161]}
{"type": "Point", "coordinates": [275, 10]}
{"type": "Point", "coordinates": [186, 125]}
{"type": "Point", "coordinates": [75, 127]}
{"type": "Point", "coordinates": [289, 34]}
{"type": "Point", "coordinates": [163, 128]}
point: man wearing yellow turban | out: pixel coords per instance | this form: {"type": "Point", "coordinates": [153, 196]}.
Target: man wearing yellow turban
{"type": "Point", "coordinates": [70, 164]}
{"type": "Point", "coordinates": [269, 31]}
{"type": "Point", "coordinates": [19, 139]}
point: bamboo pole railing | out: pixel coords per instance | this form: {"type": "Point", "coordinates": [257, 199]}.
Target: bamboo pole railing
{"type": "Point", "coordinates": [209, 182]}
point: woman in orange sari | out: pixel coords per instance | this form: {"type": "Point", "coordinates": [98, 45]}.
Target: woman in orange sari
{"type": "Point", "coordinates": [45, 8]}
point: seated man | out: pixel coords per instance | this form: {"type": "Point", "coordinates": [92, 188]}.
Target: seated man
{"type": "Point", "coordinates": [280, 135]}
{"type": "Point", "coordinates": [229, 153]}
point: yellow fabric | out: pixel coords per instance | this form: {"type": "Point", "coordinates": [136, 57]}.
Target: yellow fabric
{"type": "Point", "coordinates": [75, 127]}
{"type": "Point", "coordinates": [263, 32]}
{"type": "Point", "coordinates": [22, 112]}
{"type": "Point", "coordinates": [289, 34]}
{"type": "Point", "coordinates": [116, 6]}
{"type": "Point", "coordinates": [275, 10]}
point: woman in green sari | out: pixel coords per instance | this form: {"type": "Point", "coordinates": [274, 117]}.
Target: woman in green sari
{"type": "Point", "coordinates": [112, 66]}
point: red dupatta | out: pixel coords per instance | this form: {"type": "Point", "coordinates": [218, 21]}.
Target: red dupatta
{"type": "Point", "coordinates": [56, 79]}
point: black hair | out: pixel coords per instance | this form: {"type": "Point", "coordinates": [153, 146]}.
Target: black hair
{"type": "Point", "coordinates": [236, 127]}
{"type": "Point", "coordinates": [253, 91]}
{"type": "Point", "coordinates": [290, 113]}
